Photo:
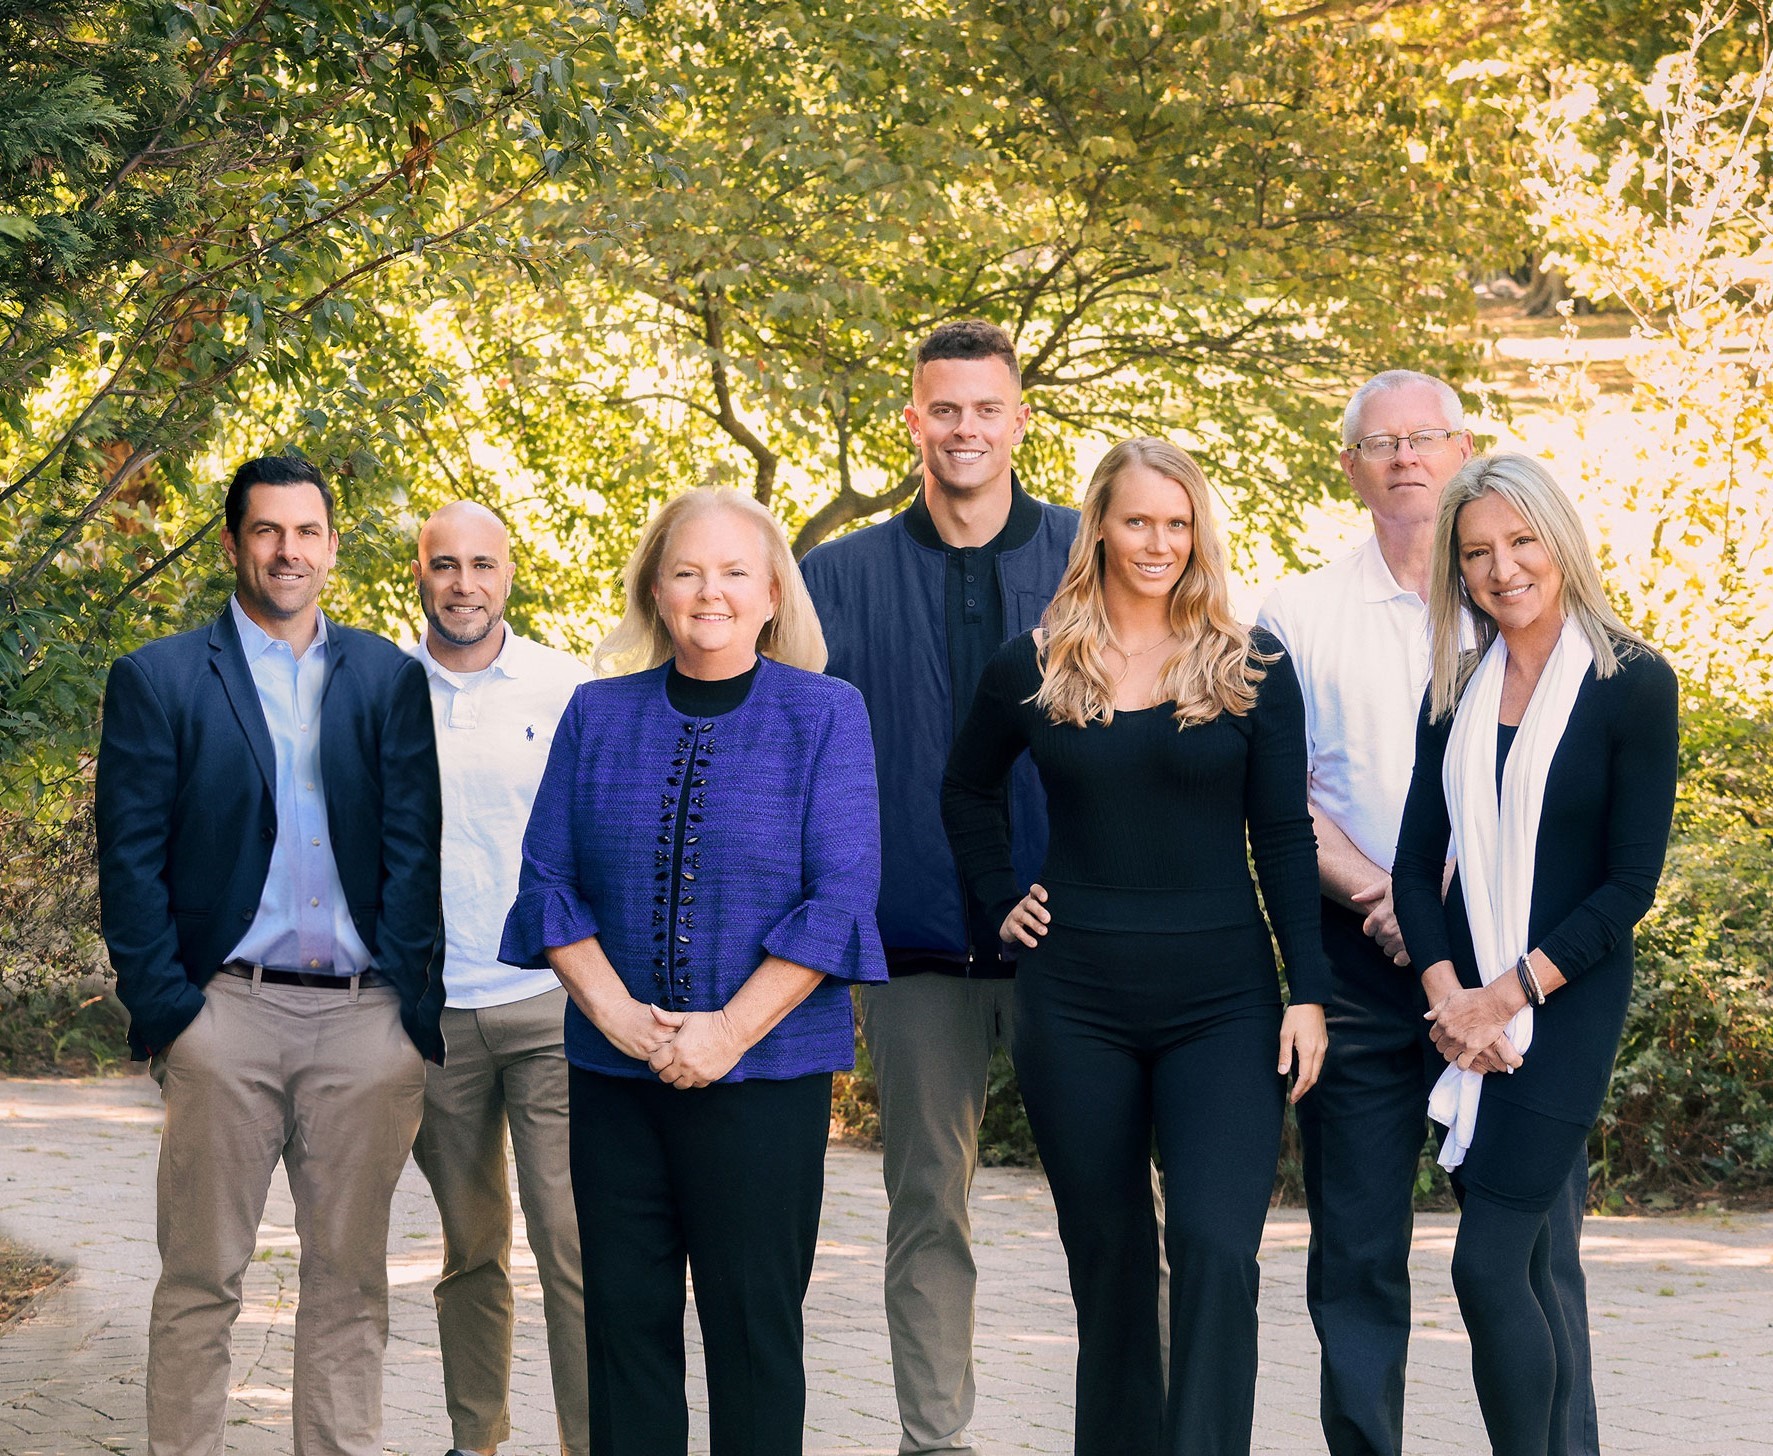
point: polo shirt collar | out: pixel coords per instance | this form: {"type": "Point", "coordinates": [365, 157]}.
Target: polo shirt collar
{"type": "Point", "coordinates": [1377, 582]}
{"type": "Point", "coordinates": [255, 641]}
{"type": "Point", "coordinates": [1018, 530]}
{"type": "Point", "coordinates": [509, 662]}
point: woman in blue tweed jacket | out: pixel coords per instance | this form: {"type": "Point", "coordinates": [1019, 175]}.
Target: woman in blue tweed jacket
{"type": "Point", "coordinates": [700, 870]}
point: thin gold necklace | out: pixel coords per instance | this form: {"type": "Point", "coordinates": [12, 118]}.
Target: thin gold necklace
{"type": "Point", "coordinates": [1169, 636]}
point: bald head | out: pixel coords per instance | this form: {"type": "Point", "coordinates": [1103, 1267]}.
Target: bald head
{"type": "Point", "coordinates": [464, 575]}
{"type": "Point", "coordinates": [470, 516]}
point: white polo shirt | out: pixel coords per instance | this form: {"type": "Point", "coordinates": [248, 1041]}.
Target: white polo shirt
{"type": "Point", "coordinates": [494, 729]}
{"type": "Point", "coordinates": [1359, 643]}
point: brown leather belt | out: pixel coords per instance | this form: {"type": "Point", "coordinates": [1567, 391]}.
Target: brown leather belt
{"type": "Point", "coordinates": [325, 981]}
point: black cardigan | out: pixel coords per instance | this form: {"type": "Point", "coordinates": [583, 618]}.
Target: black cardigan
{"type": "Point", "coordinates": [1609, 798]}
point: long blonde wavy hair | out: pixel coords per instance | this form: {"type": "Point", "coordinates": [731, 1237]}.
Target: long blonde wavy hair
{"type": "Point", "coordinates": [640, 641]}
{"type": "Point", "coordinates": [1527, 486]}
{"type": "Point", "coordinates": [1212, 670]}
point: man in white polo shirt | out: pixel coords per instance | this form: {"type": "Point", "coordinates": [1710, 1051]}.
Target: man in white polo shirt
{"type": "Point", "coordinates": [1357, 633]}
{"type": "Point", "coordinates": [495, 700]}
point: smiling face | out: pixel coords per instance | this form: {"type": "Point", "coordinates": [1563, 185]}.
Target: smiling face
{"type": "Point", "coordinates": [464, 575]}
{"type": "Point", "coordinates": [1147, 535]}
{"type": "Point", "coordinates": [1404, 490]}
{"type": "Point", "coordinates": [281, 555]}
{"type": "Point", "coordinates": [966, 416]}
{"type": "Point", "coordinates": [714, 593]}
{"type": "Point", "coordinates": [1509, 572]}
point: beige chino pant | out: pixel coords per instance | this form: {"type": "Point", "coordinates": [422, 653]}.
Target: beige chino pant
{"type": "Point", "coordinates": [333, 1086]}
{"type": "Point", "coordinates": [506, 1069]}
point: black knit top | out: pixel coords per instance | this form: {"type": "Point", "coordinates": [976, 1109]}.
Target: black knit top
{"type": "Point", "coordinates": [707, 697]}
{"type": "Point", "coordinates": [1148, 822]}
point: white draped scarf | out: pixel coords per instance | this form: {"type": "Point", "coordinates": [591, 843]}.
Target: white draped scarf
{"type": "Point", "coordinates": [1494, 843]}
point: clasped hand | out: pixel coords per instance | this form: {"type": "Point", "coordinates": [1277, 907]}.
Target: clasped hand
{"type": "Point", "coordinates": [1470, 1029]}
{"type": "Point", "coordinates": [702, 1048]}
{"type": "Point", "coordinates": [685, 1048]}
{"type": "Point", "coordinates": [1381, 920]}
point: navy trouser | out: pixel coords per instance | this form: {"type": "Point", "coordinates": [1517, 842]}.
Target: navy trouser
{"type": "Point", "coordinates": [727, 1179]}
{"type": "Point", "coordinates": [1363, 1127]}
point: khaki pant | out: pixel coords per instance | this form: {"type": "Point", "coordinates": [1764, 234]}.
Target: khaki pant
{"type": "Point", "coordinates": [332, 1085]}
{"type": "Point", "coordinates": [507, 1069]}
{"type": "Point", "coordinates": [931, 1038]}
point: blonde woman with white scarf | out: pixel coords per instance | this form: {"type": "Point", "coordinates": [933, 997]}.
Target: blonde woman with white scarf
{"type": "Point", "coordinates": [1548, 755]}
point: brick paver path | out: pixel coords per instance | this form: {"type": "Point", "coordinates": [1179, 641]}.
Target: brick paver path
{"type": "Point", "coordinates": [1682, 1313]}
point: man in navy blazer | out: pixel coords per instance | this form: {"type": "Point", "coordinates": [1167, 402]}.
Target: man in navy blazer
{"type": "Point", "coordinates": [269, 834]}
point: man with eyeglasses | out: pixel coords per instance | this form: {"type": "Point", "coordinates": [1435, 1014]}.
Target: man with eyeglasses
{"type": "Point", "coordinates": [1357, 634]}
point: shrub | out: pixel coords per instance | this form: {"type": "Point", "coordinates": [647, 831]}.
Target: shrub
{"type": "Point", "coordinates": [57, 1010]}
{"type": "Point", "coordinates": [1689, 1107]}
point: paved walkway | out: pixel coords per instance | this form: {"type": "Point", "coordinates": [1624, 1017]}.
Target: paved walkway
{"type": "Point", "coordinates": [1683, 1313]}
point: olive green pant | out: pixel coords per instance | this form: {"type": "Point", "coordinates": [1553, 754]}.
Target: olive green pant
{"type": "Point", "coordinates": [506, 1070]}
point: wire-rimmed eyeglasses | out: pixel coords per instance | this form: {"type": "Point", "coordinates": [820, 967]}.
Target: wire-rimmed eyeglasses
{"type": "Point", "coordinates": [1385, 447]}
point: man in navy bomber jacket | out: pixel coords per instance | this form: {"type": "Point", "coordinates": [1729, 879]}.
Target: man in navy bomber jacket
{"type": "Point", "coordinates": [913, 608]}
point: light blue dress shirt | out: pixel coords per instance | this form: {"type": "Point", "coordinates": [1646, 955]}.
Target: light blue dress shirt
{"type": "Point", "coordinates": [303, 922]}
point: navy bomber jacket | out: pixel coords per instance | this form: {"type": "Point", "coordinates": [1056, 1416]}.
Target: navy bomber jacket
{"type": "Point", "coordinates": [881, 600]}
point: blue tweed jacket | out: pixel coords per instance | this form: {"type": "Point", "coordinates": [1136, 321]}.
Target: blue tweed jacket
{"type": "Point", "coordinates": [694, 847]}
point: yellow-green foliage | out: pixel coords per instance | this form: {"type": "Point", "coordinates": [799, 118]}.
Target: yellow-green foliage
{"type": "Point", "coordinates": [1691, 1105]}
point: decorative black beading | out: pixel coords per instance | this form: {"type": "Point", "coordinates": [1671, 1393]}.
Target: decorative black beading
{"type": "Point", "coordinates": [683, 808]}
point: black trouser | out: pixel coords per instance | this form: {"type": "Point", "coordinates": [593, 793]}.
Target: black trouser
{"type": "Point", "coordinates": [1363, 1128]}
{"type": "Point", "coordinates": [1119, 1037]}
{"type": "Point", "coordinates": [729, 1178]}
{"type": "Point", "coordinates": [1523, 1350]}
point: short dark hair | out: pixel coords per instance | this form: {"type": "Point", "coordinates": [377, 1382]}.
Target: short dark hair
{"type": "Point", "coordinates": [272, 470]}
{"type": "Point", "coordinates": [966, 339]}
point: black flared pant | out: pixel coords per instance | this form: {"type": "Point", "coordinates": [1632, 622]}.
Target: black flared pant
{"type": "Point", "coordinates": [1122, 1038]}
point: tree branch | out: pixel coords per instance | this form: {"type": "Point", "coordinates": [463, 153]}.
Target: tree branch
{"type": "Point", "coordinates": [182, 549]}
{"type": "Point", "coordinates": [714, 333]}
{"type": "Point", "coordinates": [850, 505]}
{"type": "Point", "coordinates": [226, 49]}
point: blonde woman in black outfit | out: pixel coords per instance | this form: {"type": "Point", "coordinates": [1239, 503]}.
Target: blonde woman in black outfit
{"type": "Point", "coordinates": [1147, 1002]}
{"type": "Point", "coordinates": [1549, 755]}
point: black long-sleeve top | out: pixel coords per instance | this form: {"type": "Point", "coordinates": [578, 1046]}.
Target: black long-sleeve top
{"type": "Point", "coordinates": [1148, 823]}
{"type": "Point", "coordinates": [1603, 830]}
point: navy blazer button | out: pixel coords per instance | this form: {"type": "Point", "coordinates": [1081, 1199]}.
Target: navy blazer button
{"type": "Point", "coordinates": [246, 915]}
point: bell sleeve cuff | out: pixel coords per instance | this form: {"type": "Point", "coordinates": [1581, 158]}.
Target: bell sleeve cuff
{"type": "Point", "coordinates": [544, 917]}
{"type": "Point", "coordinates": [821, 938]}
